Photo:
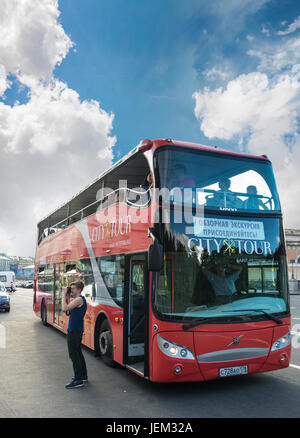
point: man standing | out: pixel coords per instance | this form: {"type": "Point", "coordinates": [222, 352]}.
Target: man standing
{"type": "Point", "coordinates": [225, 197]}
{"type": "Point", "coordinates": [77, 309]}
{"type": "Point", "coordinates": [222, 282]}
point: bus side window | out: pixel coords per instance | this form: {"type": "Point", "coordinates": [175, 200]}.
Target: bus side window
{"type": "Point", "coordinates": [41, 277]}
{"type": "Point", "coordinates": [112, 269]}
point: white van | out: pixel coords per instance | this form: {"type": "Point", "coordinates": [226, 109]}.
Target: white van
{"type": "Point", "coordinates": [9, 280]}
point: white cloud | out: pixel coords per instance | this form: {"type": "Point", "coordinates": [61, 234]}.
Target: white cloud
{"type": "Point", "coordinates": [265, 30]}
{"type": "Point", "coordinates": [54, 144]}
{"type": "Point", "coordinates": [225, 12]}
{"type": "Point", "coordinates": [4, 83]}
{"type": "Point", "coordinates": [246, 104]}
{"type": "Point", "coordinates": [55, 120]}
{"type": "Point", "coordinates": [262, 114]}
{"type": "Point", "coordinates": [235, 8]}
{"type": "Point", "coordinates": [32, 41]}
{"type": "Point", "coordinates": [291, 28]}
{"type": "Point", "coordinates": [215, 74]}
{"type": "Point", "coordinates": [49, 158]}
{"type": "Point", "coordinates": [278, 56]}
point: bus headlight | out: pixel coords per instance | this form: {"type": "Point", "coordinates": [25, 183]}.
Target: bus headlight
{"type": "Point", "coordinates": [174, 350]}
{"type": "Point", "coordinates": [282, 342]}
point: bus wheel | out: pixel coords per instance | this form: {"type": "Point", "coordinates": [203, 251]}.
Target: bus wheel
{"type": "Point", "coordinates": [105, 344]}
{"type": "Point", "coordinates": [44, 313]}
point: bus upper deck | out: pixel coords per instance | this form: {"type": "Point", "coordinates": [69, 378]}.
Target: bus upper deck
{"type": "Point", "coordinates": [210, 171]}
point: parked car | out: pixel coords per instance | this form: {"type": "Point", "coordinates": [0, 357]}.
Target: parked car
{"type": "Point", "coordinates": [22, 283]}
{"type": "Point", "coordinates": [28, 284]}
{"type": "Point", "coordinates": [4, 298]}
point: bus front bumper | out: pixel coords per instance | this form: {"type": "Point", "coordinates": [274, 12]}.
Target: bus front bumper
{"type": "Point", "coordinates": [199, 355]}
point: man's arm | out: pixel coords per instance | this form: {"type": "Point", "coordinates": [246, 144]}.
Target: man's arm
{"type": "Point", "coordinates": [67, 307]}
{"type": "Point", "coordinates": [237, 268]}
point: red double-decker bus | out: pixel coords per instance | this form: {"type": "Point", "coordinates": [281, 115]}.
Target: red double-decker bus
{"type": "Point", "coordinates": [181, 250]}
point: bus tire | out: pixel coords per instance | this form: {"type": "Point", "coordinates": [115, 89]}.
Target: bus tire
{"type": "Point", "coordinates": [44, 313]}
{"type": "Point", "coordinates": [104, 343]}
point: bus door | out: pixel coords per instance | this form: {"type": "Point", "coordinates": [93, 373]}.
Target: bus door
{"type": "Point", "coordinates": [58, 313]}
{"type": "Point", "coordinates": [136, 315]}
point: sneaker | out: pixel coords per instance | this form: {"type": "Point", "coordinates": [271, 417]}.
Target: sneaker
{"type": "Point", "coordinates": [84, 379]}
{"type": "Point", "coordinates": [74, 384]}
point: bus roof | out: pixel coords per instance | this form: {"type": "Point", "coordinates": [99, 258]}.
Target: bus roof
{"type": "Point", "coordinates": [88, 194]}
{"type": "Point", "coordinates": [215, 149]}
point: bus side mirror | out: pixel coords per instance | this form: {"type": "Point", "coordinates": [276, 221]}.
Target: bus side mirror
{"type": "Point", "coordinates": [155, 256]}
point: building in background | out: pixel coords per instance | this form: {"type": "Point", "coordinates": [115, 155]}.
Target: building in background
{"type": "Point", "coordinates": [23, 267]}
{"type": "Point", "coordinates": [4, 262]}
{"type": "Point", "coordinates": [26, 272]}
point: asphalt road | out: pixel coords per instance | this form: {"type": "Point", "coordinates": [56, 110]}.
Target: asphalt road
{"type": "Point", "coordinates": [34, 368]}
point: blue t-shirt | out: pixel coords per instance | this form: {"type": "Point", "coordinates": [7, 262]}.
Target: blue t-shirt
{"type": "Point", "coordinates": [76, 318]}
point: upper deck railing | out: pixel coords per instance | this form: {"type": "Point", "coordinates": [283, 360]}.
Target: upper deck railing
{"type": "Point", "coordinates": [131, 197]}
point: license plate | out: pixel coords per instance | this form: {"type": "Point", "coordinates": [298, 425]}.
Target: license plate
{"type": "Point", "coordinates": [233, 371]}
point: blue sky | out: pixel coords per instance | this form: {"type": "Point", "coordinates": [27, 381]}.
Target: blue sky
{"type": "Point", "coordinates": [143, 60]}
{"type": "Point", "coordinates": [82, 82]}
{"type": "Point", "coordinates": [131, 57]}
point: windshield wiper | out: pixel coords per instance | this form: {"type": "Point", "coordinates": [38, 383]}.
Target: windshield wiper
{"type": "Point", "coordinates": [205, 320]}
{"type": "Point", "coordinates": [274, 318]}
{"type": "Point", "coordinates": [198, 322]}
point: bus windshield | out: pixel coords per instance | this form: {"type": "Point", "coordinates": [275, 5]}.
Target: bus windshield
{"type": "Point", "coordinates": [219, 263]}
{"type": "Point", "coordinates": [217, 181]}
{"type": "Point", "coordinates": [211, 276]}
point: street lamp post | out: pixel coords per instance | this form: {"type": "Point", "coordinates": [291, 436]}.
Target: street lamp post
{"type": "Point", "coordinates": [292, 261]}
